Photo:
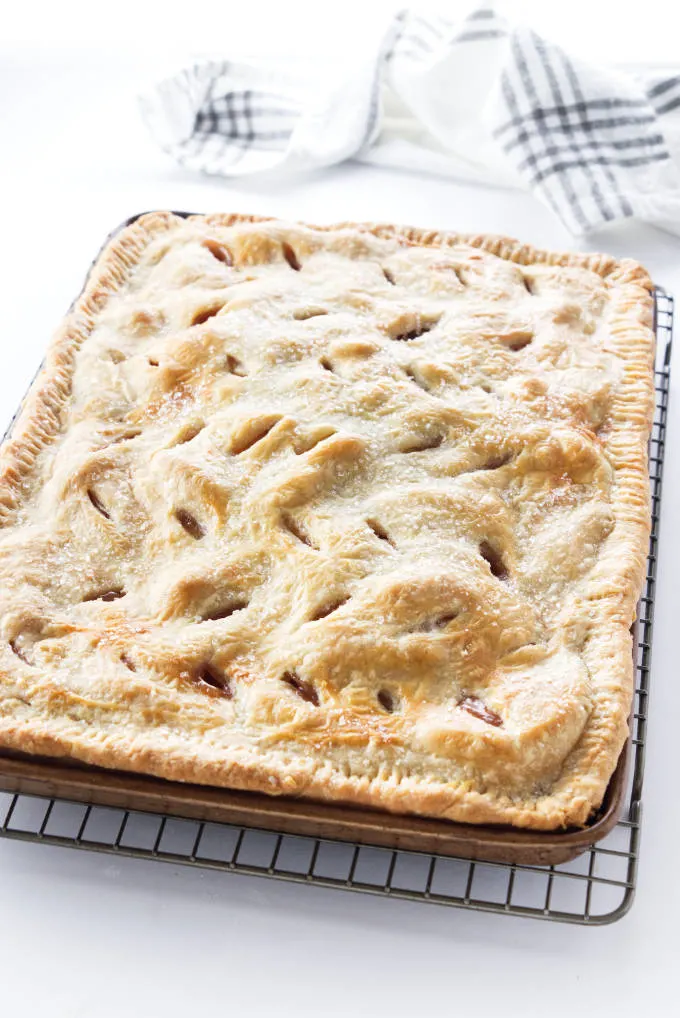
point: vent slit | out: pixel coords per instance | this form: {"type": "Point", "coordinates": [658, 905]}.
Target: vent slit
{"type": "Point", "coordinates": [388, 701]}
{"type": "Point", "coordinates": [296, 529]}
{"type": "Point", "coordinates": [98, 504]}
{"type": "Point", "coordinates": [190, 524]}
{"type": "Point", "coordinates": [420, 327]}
{"type": "Point", "coordinates": [219, 251]}
{"type": "Point", "coordinates": [234, 366]}
{"type": "Point", "coordinates": [410, 373]}
{"type": "Point", "coordinates": [521, 340]}
{"type": "Point", "coordinates": [209, 676]}
{"type": "Point", "coordinates": [305, 690]}
{"type": "Point", "coordinates": [19, 652]}
{"type": "Point", "coordinates": [305, 443]}
{"type": "Point", "coordinates": [290, 256]}
{"type": "Point", "coordinates": [190, 433]}
{"type": "Point", "coordinates": [127, 436]}
{"type": "Point", "coordinates": [496, 462]}
{"type": "Point", "coordinates": [438, 622]}
{"type": "Point", "coordinates": [225, 612]}
{"type": "Point", "coordinates": [204, 314]}
{"type": "Point", "coordinates": [494, 560]}
{"type": "Point", "coordinates": [380, 532]}
{"type": "Point", "coordinates": [114, 594]}
{"type": "Point", "coordinates": [424, 443]}
{"type": "Point", "coordinates": [251, 435]}
{"type": "Point", "coordinates": [324, 610]}
{"type": "Point", "coordinates": [473, 705]}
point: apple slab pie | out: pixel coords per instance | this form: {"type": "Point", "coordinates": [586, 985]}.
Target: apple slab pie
{"type": "Point", "coordinates": [358, 513]}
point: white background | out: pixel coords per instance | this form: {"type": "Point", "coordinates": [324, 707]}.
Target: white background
{"type": "Point", "coordinates": [87, 935]}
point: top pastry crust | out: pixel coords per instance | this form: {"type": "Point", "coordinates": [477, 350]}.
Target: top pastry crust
{"type": "Point", "coordinates": [356, 513]}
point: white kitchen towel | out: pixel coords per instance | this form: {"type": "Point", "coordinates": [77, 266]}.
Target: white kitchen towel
{"type": "Point", "coordinates": [478, 100]}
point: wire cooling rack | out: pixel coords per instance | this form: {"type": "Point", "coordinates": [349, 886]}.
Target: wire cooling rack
{"type": "Point", "coordinates": [594, 889]}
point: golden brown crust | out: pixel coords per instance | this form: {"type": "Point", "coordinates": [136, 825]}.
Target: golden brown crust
{"type": "Point", "coordinates": [567, 508]}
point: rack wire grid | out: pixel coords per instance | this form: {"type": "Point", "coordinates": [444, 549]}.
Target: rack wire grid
{"type": "Point", "coordinates": [594, 889]}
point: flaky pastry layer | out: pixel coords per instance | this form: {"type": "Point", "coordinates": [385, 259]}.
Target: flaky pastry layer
{"type": "Point", "coordinates": [358, 513]}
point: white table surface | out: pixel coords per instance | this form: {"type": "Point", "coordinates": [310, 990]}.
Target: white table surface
{"type": "Point", "coordinates": [91, 935]}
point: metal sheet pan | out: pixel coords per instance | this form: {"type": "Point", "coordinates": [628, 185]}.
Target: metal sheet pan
{"type": "Point", "coordinates": [71, 781]}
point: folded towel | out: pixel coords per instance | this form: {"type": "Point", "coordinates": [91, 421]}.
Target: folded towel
{"type": "Point", "coordinates": [478, 100]}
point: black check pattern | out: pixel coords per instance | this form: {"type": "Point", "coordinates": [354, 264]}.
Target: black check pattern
{"type": "Point", "coordinates": [664, 95]}
{"type": "Point", "coordinates": [592, 144]}
{"type": "Point", "coordinates": [241, 117]}
{"type": "Point", "coordinates": [575, 148]}
{"type": "Point", "coordinates": [230, 123]}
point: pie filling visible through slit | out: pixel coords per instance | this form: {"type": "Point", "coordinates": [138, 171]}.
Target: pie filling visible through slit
{"type": "Point", "coordinates": [358, 513]}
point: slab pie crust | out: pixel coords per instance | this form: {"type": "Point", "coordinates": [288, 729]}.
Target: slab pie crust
{"type": "Point", "coordinates": [358, 513]}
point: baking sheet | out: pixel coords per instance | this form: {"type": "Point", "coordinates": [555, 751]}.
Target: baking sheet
{"type": "Point", "coordinates": [66, 780]}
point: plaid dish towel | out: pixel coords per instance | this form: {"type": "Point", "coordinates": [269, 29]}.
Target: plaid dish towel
{"type": "Point", "coordinates": [478, 100]}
